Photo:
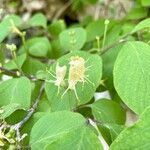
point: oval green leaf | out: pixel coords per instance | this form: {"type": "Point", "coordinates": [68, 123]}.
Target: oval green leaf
{"type": "Point", "coordinates": [135, 137]}
{"type": "Point", "coordinates": [63, 130]}
{"type": "Point", "coordinates": [72, 39]}
{"type": "Point", "coordinates": [39, 46]}
{"type": "Point", "coordinates": [38, 20]}
{"type": "Point", "coordinates": [16, 91]}
{"type": "Point", "coordinates": [142, 25]}
{"type": "Point", "coordinates": [132, 75]}
{"type": "Point", "coordinates": [6, 26]}
{"type": "Point", "coordinates": [69, 101]}
{"type": "Point", "coordinates": [108, 111]}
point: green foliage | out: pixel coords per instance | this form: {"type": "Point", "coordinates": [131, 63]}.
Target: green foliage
{"type": "Point", "coordinates": [57, 27]}
{"type": "Point", "coordinates": [7, 110]}
{"type": "Point", "coordinates": [145, 3]}
{"type": "Point", "coordinates": [72, 39]}
{"type": "Point", "coordinates": [6, 25]}
{"type": "Point", "coordinates": [136, 136]}
{"type": "Point", "coordinates": [108, 111]}
{"type": "Point", "coordinates": [38, 20]}
{"type": "Point", "coordinates": [11, 96]}
{"type": "Point", "coordinates": [93, 73]}
{"type": "Point", "coordinates": [137, 13]}
{"type": "Point", "coordinates": [66, 129]}
{"type": "Point", "coordinates": [133, 89]}
{"type": "Point", "coordinates": [12, 65]}
{"type": "Point", "coordinates": [38, 46]}
{"type": "Point", "coordinates": [94, 29]}
{"type": "Point", "coordinates": [52, 74]}
{"type": "Point", "coordinates": [142, 25]}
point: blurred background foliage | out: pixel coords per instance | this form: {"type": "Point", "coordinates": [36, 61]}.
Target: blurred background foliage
{"type": "Point", "coordinates": [76, 10]}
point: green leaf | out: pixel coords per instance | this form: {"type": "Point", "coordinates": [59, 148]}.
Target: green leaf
{"type": "Point", "coordinates": [142, 25]}
{"type": "Point", "coordinates": [136, 136]}
{"type": "Point", "coordinates": [32, 66]}
{"type": "Point", "coordinates": [69, 100]}
{"type": "Point", "coordinates": [110, 131]}
{"type": "Point", "coordinates": [44, 106]}
{"type": "Point", "coordinates": [8, 110]}
{"type": "Point", "coordinates": [110, 114]}
{"type": "Point", "coordinates": [92, 1]}
{"type": "Point", "coordinates": [6, 27]}
{"type": "Point", "coordinates": [38, 20]}
{"type": "Point", "coordinates": [16, 91]}
{"type": "Point", "coordinates": [56, 49]}
{"type": "Point", "coordinates": [127, 27]}
{"type": "Point", "coordinates": [132, 75]}
{"type": "Point", "coordinates": [57, 27]}
{"type": "Point", "coordinates": [137, 13]}
{"type": "Point", "coordinates": [113, 34]}
{"type": "Point", "coordinates": [38, 46]}
{"type": "Point", "coordinates": [28, 126]}
{"type": "Point", "coordinates": [115, 130]}
{"type": "Point", "coordinates": [72, 39]}
{"type": "Point", "coordinates": [109, 59]}
{"type": "Point", "coordinates": [77, 4]}
{"type": "Point", "coordinates": [94, 29]}
{"type": "Point", "coordinates": [16, 116]}
{"type": "Point", "coordinates": [67, 131]}
{"type": "Point", "coordinates": [145, 3]}
{"type": "Point", "coordinates": [41, 74]}
{"type": "Point", "coordinates": [12, 65]}
{"type": "Point", "coordinates": [108, 111]}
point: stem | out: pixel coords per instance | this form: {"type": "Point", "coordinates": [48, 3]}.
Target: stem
{"type": "Point", "coordinates": [32, 109]}
{"type": "Point", "coordinates": [15, 73]}
{"type": "Point", "coordinates": [105, 49]}
{"type": "Point", "coordinates": [120, 40]}
{"type": "Point", "coordinates": [98, 42]}
{"type": "Point", "coordinates": [8, 72]}
{"type": "Point", "coordinates": [15, 61]}
{"type": "Point", "coordinates": [18, 125]}
{"type": "Point", "coordinates": [105, 32]}
{"type": "Point", "coordinates": [24, 41]}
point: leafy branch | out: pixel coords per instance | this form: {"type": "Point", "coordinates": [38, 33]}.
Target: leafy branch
{"type": "Point", "coordinates": [18, 126]}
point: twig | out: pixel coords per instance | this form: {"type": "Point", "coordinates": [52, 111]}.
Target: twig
{"type": "Point", "coordinates": [105, 49]}
{"type": "Point", "coordinates": [121, 40]}
{"type": "Point", "coordinates": [18, 125]}
{"type": "Point", "coordinates": [15, 73]}
{"type": "Point", "coordinates": [8, 72]}
{"type": "Point", "coordinates": [96, 121]}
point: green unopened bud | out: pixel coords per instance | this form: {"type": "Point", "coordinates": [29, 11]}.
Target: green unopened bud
{"type": "Point", "coordinates": [72, 33]}
{"type": "Point", "coordinates": [107, 22]}
{"type": "Point", "coordinates": [97, 38]}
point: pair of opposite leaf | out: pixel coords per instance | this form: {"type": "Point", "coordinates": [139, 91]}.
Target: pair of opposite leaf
{"type": "Point", "coordinates": [77, 74]}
